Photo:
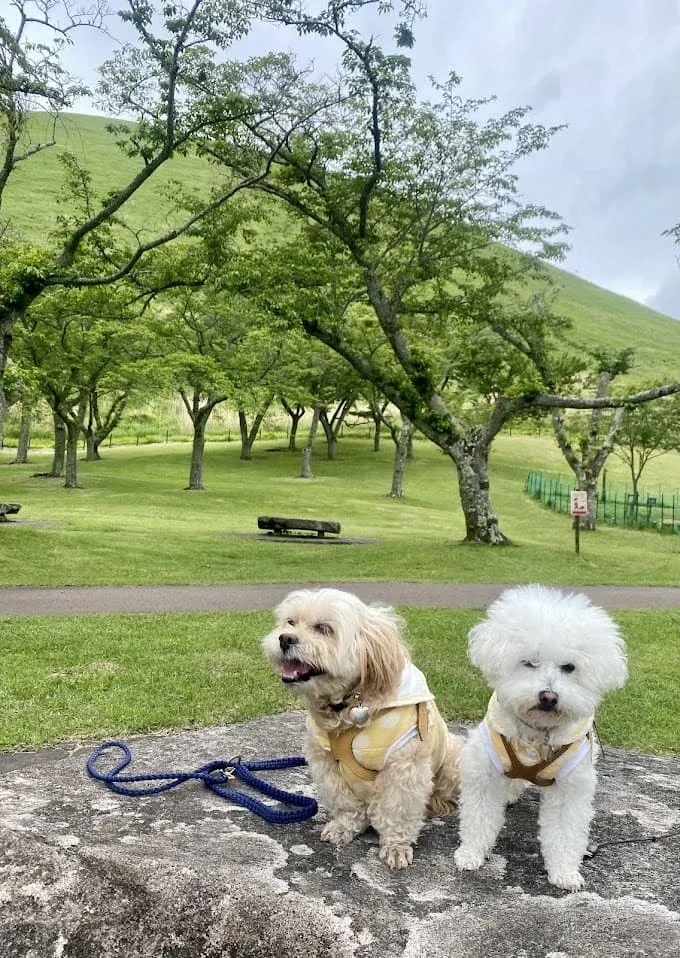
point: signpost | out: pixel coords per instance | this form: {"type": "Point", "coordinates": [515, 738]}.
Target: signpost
{"type": "Point", "coordinates": [578, 506]}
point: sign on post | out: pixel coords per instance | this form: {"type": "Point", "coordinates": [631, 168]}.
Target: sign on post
{"type": "Point", "coordinates": [578, 506]}
{"type": "Point", "coordinates": [579, 503]}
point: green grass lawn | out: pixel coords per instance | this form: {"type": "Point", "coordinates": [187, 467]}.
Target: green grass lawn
{"type": "Point", "coordinates": [91, 677]}
{"type": "Point", "coordinates": [134, 523]}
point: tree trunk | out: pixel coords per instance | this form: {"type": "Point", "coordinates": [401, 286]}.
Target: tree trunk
{"type": "Point", "coordinates": [197, 451]}
{"type": "Point", "coordinates": [3, 414]}
{"type": "Point", "coordinates": [589, 485]}
{"type": "Point", "coordinates": [75, 421]}
{"type": "Point", "coordinates": [92, 446]}
{"type": "Point", "coordinates": [634, 499]}
{"type": "Point", "coordinates": [24, 434]}
{"type": "Point", "coordinates": [594, 450]}
{"type": "Point", "coordinates": [5, 341]}
{"type": "Point", "coordinates": [246, 441]}
{"type": "Point", "coordinates": [307, 451]}
{"type": "Point", "coordinates": [400, 454]}
{"type": "Point", "coordinates": [481, 522]}
{"type": "Point", "coordinates": [98, 428]}
{"type": "Point", "coordinates": [248, 436]}
{"type": "Point", "coordinates": [328, 432]}
{"type": "Point", "coordinates": [376, 438]}
{"type": "Point", "coordinates": [331, 427]}
{"type": "Point", "coordinates": [295, 416]}
{"type": "Point", "coordinates": [292, 436]}
{"type": "Point", "coordinates": [72, 440]}
{"type": "Point", "coordinates": [91, 453]}
{"type": "Point", "coordinates": [57, 468]}
{"type": "Point", "coordinates": [377, 413]}
{"type": "Point", "coordinates": [199, 416]}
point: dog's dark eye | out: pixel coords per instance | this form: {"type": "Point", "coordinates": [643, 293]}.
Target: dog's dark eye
{"type": "Point", "coordinates": [530, 665]}
{"type": "Point", "coordinates": [569, 667]}
{"type": "Point", "coordinates": [290, 621]}
{"type": "Point", "coordinates": [324, 628]}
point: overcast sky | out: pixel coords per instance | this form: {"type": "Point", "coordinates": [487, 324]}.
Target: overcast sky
{"type": "Point", "coordinates": [609, 69]}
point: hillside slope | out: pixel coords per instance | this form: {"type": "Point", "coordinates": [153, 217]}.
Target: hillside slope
{"type": "Point", "coordinates": [600, 317]}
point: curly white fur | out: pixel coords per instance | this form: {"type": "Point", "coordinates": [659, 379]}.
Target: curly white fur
{"type": "Point", "coordinates": [328, 644]}
{"type": "Point", "coordinates": [550, 658]}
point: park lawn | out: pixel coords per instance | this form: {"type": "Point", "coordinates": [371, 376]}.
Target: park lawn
{"type": "Point", "coordinates": [134, 523]}
{"type": "Point", "coordinates": [68, 678]}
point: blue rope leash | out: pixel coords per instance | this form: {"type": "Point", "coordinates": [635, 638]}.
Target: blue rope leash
{"type": "Point", "coordinates": [214, 776]}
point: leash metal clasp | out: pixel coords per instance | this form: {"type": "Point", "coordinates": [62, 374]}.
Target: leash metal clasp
{"type": "Point", "coordinates": [228, 771]}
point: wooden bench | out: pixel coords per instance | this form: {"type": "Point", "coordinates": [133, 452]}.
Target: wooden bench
{"type": "Point", "coordinates": [282, 527]}
{"type": "Point", "coordinates": [8, 509]}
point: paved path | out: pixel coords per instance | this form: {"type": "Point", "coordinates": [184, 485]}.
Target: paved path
{"type": "Point", "coordinates": [244, 598]}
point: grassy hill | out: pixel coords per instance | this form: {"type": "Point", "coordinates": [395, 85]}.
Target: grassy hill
{"type": "Point", "coordinates": [600, 317]}
{"type": "Point", "coordinates": [34, 194]}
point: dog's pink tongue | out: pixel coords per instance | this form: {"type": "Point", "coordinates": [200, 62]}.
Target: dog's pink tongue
{"type": "Point", "coordinates": [291, 670]}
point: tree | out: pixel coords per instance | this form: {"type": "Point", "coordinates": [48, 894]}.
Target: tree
{"type": "Point", "coordinates": [212, 347]}
{"type": "Point", "coordinates": [33, 34]}
{"type": "Point", "coordinates": [29, 398]}
{"type": "Point", "coordinates": [175, 83]}
{"type": "Point", "coordinates": [296, 412]}
{"type": "Point", "coordinates": [586, 441]}
{"type": "Point", "coordinates": [330, 387]}
{"type": "Point", "coordinates": [401, 432]}
{"type": "Point", "coordinates": [411, 208]}
{"type": "Point", "coordinates": [80, 342]}
{"type": "Point", "coordinates": [103, 419]}
{"type": "Point", "coordinates": [402, 440]}
{"type": "Point", "coordinates": [249, 431]}
{"type": "Point", "coordinates": [195, 334]}
{"type": "Point", "coordinates": [646, 433]}
{"type": "Point", "coordinates": [401, 199]}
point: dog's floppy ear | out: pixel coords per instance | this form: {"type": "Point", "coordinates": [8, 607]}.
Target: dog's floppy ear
{"type": "Point", "coordinates": [612, 672]}
{"type": "Point", "coordinates": [382, 654]}
{"type": "Point", "coordinates": [487, 644]}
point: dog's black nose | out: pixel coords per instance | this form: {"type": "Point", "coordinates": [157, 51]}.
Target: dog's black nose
{"type": "Point", "coordinates": [547, 700]}
{"type": "Point", "coordinates": [286, 640]}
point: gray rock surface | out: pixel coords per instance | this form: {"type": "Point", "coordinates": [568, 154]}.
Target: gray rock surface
{"type": "Point", "coordinates": [86, 873]}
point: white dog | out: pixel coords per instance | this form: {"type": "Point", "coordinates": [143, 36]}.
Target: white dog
{"type": "Point", "coordinates": [550, 658]}
{"type": "Point", "coordinates": [378, 749]}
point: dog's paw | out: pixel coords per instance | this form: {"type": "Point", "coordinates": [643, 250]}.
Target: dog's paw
{"type": "Point", "coordinates": [337, 833]}
{"type": "Point", "coordinates": [396, 856]}
{"type": "Point", "coordinates": [468, 859]}
{"type": "Point", "coordinates": [569, 880]}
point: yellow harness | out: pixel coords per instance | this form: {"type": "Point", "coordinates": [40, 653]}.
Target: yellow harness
{"type": "Point", "coordinates": [361, 752]}
{"type": "Point", "coordinates": [541, 765]}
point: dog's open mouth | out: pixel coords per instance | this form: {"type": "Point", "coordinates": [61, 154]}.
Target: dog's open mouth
{"type": "Point", "coordinates": [293, 670]}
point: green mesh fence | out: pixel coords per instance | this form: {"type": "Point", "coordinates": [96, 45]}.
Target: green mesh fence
{"type": "Point", "coordinates": [615, 505]}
